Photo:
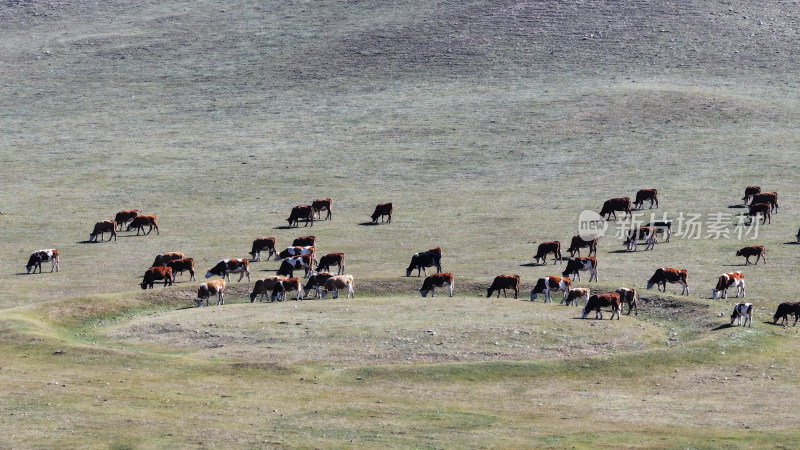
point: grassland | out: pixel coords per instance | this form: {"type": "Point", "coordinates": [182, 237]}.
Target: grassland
{"type": "Point", "coordinates": [490, 125]}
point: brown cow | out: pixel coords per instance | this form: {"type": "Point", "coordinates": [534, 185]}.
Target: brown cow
{"type": "Point", "coordinates": [576, 294]}
{"type": "Point", "coordinates": [261, 244]}
{"type": "Point", "coordinates": [336, 282]}
{"type": "Point", "coordinates": [178, 266]}
{"type": "Point", "coordinates": [226, 267]}
{"type": "Point", "coordinates": [764, 209]}
{"type": "Point", "coordinates": [610, 207]}
{"type": "Point", "coordinates": [139, 222]}
{"type": "Point", "coordinates": [784, 309]}
{"type": "Point", "coordinates": [163, 258]}
{"type": "Point", "coordinates": [545, 248]}
{"type": "Point", "coordinates": [322, 204]}
{"type": "Point", "coordinates": [431, 282]}
{"type": "Point", "coordinates": [580, 241]}
{"type": "Point", "coordinates": [331, 259]}
{"type": "Point", "coordinates": [754, 250]}
{"type": "Point", "coordinates": [647, 234]}
{"type": "Point", "coordinates": [644, 195]}
{"type": "Point", "coordinates": [749, 192]}
{"type": "Point", "coordinates": [630, 297]}
{"type": "Point", "coordinates": [125, 216]}
{"type": "Point", "coordinates": [598, 301]}
{"type": "Point", "coordinates": [770, 198]}
{"type": "Point", "coordinates": [157, 273]}
{"type": "Point", "coordinates": [305, 241]}
{"type": "Point", "coordinates": [38, 257]}
{"type": "Point", "coordinates": [301, 213]}
{"type": "Point", "coordinates": [727, 281]}
{"type": "Point", "coordinates": [109, 226]}
{"type": "Point", "coordinates": [264, 287]}
{"type": "Point", "coordinates": [383, 209]}
{"type": "Point", "coordinates": [666, 275]}
{"type": "Point", "coordinates": [210, 288]}
{"type": "Point", "coordinates": [547, 284]}
{"type": "Point", "coordinates": [288, 285]}
{"type": "Point", "coordinates": [503, 282]}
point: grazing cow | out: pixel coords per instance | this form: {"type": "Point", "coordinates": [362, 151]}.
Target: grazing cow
{"type": "Point", "coordinates": [784, 309]}
{"type": "Point", "coordinates": [770, 198]}
{"type": "Point", "coordinates": [261, 244]}
{"type": "Point", "coordinates": [727, 281]}
{"type": "Point", "coordinates": [662, 226]}
{"type": "Point", "coordinates": [287, 285]}
{"type": "Point", "coordinates": [105, 226]}
{"type": "Point", "coordinates": [644, 195]}
{"type": "Point", "coordinates": [226, 267]}
{"type": "Point", "coordinates": [210, 288]}
{"type": "Point", "coordinates": [764, 209]}
{"type": "Point", "coordinates": [301, 213]}
{"type": "Point", "coordinates": [331, 259]}
{"type": "Point", "coordinates": [157, 273]}
{"type": "Point", "coordinates": [317, 281]}
{"type": "Point", "coordinates": [163, 258]}
{"type": "Point", "coordinates": [503, 282]}
{"type": "Point", "coordinates": [296, 251]}
{"type": "Point", "coordinates": [337, 282]}
{"type": "Point", "coordinates": [754, 250]}
{"type": "Point", "coordinates": [139, 222]}
{"type": "Point", "coordinates": [610, 207]}
{"type": "Point", "coordinates": [38, 257]}
{"type": "Point", "coordinates": [322, 204]}
{"type": "Point", "coordinates": [547, 284]}
{"type": "Point", "coordinates": [289, 265]}
{"type": "Point", "coordinates": [580, 241]}
{"type": "Point", "coordinates": [666, 275]}
{"type": "Point", "coordinates": [424, 259]}
{"type": "Point", "coordinates": [598, 301]}
{"type": "Point", "coordinates": [125, 216]}
{"type": "Point", "coordinates": [545, 248]}
{"type": "Point", "coordinates": [264, 287]}
{"type": "Point", "coordinates": [630, 297]}
{"type": "Point", "coordinates": [179, 266]}
{"type": "Point", "coordinates": [576, 294]}
{"type": "Point", "coordinates": [579, 263]}
{"type": "Point", "coordinates": [742, 310]}
{"type": "Point", "coordinates": [305, 241]}
{"type": "Point", "coordinates": [647, 234]}
{"type": "Point", "coordinates": [383, 209]}
{"type": "Point", "coordinates": [431, 282]}
{"type": "Point", "coordinates": [749, 192]}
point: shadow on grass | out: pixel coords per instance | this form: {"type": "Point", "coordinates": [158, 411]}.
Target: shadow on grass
{"type": "Point", "coordinates": [370, 224]}
{"type": "Point", "coordinates": [791, 243]}
{"type": "Point", "coordinates": [722, 327]}
{"type": "Point", "coordinates": [533, 264]}
{"type": "Point", "coordinates": [739, 206]}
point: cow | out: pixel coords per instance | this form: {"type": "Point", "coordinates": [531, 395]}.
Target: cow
{"type": "Point", "coordinates": [783, 311]}
{"type": "Point", "coordinates": [305, 241]}
{"type": "Point", "coordinates": [163, 258]}
{"type": "Point", "coordinates": [383, 209]}
{"type": "Point", "coordinates": [317, 281]}
{"type": "Point", "coordinates": [545, 248]}
{"type": "Point", "coordinates": [422, 260]}
{"type": "Point", "coordinates": [547, 284]}
{"type": "Point", "coordinates": [139, 222]}
{"type": "Point", "coordinates": [742, 310]}
{"type": "Point", "coordinates": [662, 226]}
{"type": "Point", "coordinates": [610, 207]}
{"type": "Point", "coordinates": [225, 267]}
{"type": "Point", "coordinates": [38, 257]}
{"type": "Point", "coordinates": [576, 294]}
{"type": "Point", "coordinates": [304, 213]}
{"type": "Point", "coordinates": [630, 297]}
{"type": "Point", "coordinates": [580, 241]}
{"type": "Point", "coordinates": [264, 287]}
{"type": "Point", "coordinates": [727, 281]}
{"type": "Point", "coordinates": [289, 265]}
{"type": "Point", "coordinates": [287, 285]}
{"type": "Point", "coordinates": [764, 209]}
{"type": "Point", "coordinates": [431, 282]}
{"type": "Point", "coordinates": [754, 250]}
{"type": "Point", "coordinates": [503, 282]}
{"type": "Point", "coordinates": [749, 192]}
{"type": "Point", "coordinates": [105, 226]}
{"type": "Point", "coordinates": [322, 204]}
{"type": "Point", "coordinates": [581, 263]}
{"type": "Point", "coordinates": [125, 216]}
{"type": "Point", "coordinates": [210, 288]}
{"type": "Point", "coordinates": [289, 252]}
{"type": "Point", "coordinates": [644, 195]}
{"type": "Point", "coordinates": [336, 282]}
{"type": "Point", "coordinates": [154, 274]}
{"type": "Point", "coordinates": [647, 234]}
{"type": "Point", "coordinates": [666, 275]}
{"type": "Point", "coordinates": [598, 301]}
{"type": "Point", "coordinates": [179, 266]}
{"type": "Point", "coordinates": [798, 236]}
{"type": "Point", "coordinates": [770, 198]}
{"type": "Point", "coordinates": [331, 259]}
{"type": "Point", "coordinates": [261, 244]}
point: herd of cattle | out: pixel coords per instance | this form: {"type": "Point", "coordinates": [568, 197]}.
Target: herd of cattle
{"type": "Point", "coordinates": [301, 255]}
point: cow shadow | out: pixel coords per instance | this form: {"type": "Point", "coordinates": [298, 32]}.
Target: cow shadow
{"type": "Point", "coordinates": [791, 243]}
{"type": "Point", "coordinates": [739, 206]}
{"type": "Point", "coordinates": [369, 224]}
{"type": "Point", "coordinates": [724, 326]}
{"type": "Point", "coordinates": [283, 227]}
{"type": "Point", "coordinates": [621, 251]}
{"type": "Point", "coordinates": [533, 264]}
{"type": "Point", "coordinates": [88, 242]}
